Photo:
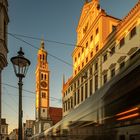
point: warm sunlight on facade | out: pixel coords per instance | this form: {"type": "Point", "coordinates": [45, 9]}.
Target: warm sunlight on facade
{"type": "Point", "coordinates": [105, 45]}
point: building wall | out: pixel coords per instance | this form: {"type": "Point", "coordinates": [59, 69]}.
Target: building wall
{"type": "Point", "coordinates": [117, 47]}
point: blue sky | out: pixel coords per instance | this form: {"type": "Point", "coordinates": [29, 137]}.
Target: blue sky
{"type": "Point", "coordinates": [52, 20]}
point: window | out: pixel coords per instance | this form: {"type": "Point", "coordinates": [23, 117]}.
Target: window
{"type": "Point", "coordinates": [105, 57]}
{"type": "Point", "coordinates": [112, 72]}
{"type": "Point", "coordinates": [75, 59]}
{"type": "Point", "coordinates": [78, 97]}
{"type": "Point", "coordinates": [96, 82]}
{"type": "Point", "coordinates": [86, 59]}
{"type": "Point", "coordinates": [91, 54]}
{"type": "Point", "coordinates": [113, 27]}
{"type": "Point", "coordinates": [82, 64]}
{"type": "Point", "coordinates": [112, 50]}
{"type": "Point", "coordinates": [41, 76]}
{"type": "Point", "coordinates": [133, 32]}
{"type": "Point", "coordinates": [81, 79]}
{"type": "Point", "coordinates": [68, 104]}
{"type": "Point", "coordinates": [79, 68]}
{"type": "Point", "coordinates": [78, 82]}
{"type": "Point", "coordinates": [90, 71]}
{"type": "Point", "coordinates": [71, 102]}
{"type": "Point", "coordinates": [105, 78]}
{"type": "Point", "coordinates": [91, 87]}
{"type": "Point", "coordinates": [86, 44]}
{"type": "Point", "coordinates": [122, 42]}
{"type": "Point", "coordinates": [86, 90]}
{"type": "Point", "coordinates": [3, 131]}
{"type": "Point", "coordinates": [74, 85]}
{"type": "Point", "coordinates": [43, 110]}
{"type": "Point", "coordinates": [45, 76]}
{"type": "Point", "coordinates": [79, 54]}
{"type": "Point", "coordinates": [97, 31]}
{"type": "Point", "coordinates": [122, 64]}
{"type": "Point", "coordinates": [82, 50]}
{"type": "Point", "coordinates": [43, 57]}
{"type": "Point", "coordinates": [43, 95]}
{"type": "Point", "coordinates": [97, 47]}
{"type": "Point", "coordinates": [75, 72]}
{"type": "Point", "coordinates": [91, 38]}
{"type": "Point", "coordinates": [75, 99]}
{"type": "Point", "coordinates": [40, 57]}
{"type": "Point", "coordinates": [71, 87]}
{"type": "Point", "coordinates": [96, 66]}
{"type": "Point", "coordinates": [81, 93]}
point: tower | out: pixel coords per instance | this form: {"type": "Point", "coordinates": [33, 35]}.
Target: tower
{"type": "Point", "coordinates": [42, 90]}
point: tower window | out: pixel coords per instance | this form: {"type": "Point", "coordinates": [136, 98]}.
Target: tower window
{"type": "Point", "coordinates": [43, 95]}
{"type": "Point", "coordinates": [43, 110]}
{"type": "Point", "coordinates": [40, 57]}
{"type": "Point", "coordinates": [45, 76]}
{"type": "Point", "coordinates": [43, 57]}
{"type": "Point", "coordinates": [41, 76]}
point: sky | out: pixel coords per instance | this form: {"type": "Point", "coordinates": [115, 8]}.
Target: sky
{"type": "Point", "coordinates": [55, 20]}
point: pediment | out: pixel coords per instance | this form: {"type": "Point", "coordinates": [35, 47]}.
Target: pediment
{"type": "Point", "coordinates": [86, 10]}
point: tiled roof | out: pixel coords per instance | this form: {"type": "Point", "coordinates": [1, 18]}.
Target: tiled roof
{"type": "Point", "coordinates": [55, 114]}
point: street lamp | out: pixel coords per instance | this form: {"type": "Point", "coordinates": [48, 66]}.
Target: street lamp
{"type": "Point", "coordinates": [20, 64]}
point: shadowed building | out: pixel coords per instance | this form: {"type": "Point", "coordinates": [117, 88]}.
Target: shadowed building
{"type": "Point", "coordinates": [3, 41]}
{"type": "Point", "coordinates": [4, 129]}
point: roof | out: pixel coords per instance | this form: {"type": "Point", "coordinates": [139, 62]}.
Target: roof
{"type": "Point", "coordinates": [55, 114]}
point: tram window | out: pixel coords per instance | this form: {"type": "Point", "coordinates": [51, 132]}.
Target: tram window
{"type": "Point", "coordinates": [122, 137]}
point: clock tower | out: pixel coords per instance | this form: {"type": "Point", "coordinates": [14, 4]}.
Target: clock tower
{"type": "Point", "coordinates": [42, 90]}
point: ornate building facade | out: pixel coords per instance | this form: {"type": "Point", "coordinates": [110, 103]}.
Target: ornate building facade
{"type": "Point", "coordinates": [4, 19]}
{"type": "Point", "coordinates": [105, 79]}
{"type": "Point", "coordinates": [45, 115]}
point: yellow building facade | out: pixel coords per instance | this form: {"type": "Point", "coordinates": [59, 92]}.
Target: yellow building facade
{"type": "Point", "coordinates": [104, 46]}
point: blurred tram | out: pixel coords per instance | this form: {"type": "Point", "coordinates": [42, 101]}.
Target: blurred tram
{"type": "Point", "coordinates": [112, 113]}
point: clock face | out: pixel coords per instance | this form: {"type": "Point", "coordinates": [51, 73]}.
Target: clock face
{"type": "Point", "coordinates": [43, 84]}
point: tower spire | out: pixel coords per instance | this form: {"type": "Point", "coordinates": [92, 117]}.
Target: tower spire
{"type": "Point", "coordinates": [42, 43]}
{"type": "Point", "coordinates": [63, 80]}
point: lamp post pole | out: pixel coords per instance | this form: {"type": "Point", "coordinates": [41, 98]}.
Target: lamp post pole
{"type": "Point", "coordinates": [20, 64]}
{"type": "Point", "coordinates": [20, 109]}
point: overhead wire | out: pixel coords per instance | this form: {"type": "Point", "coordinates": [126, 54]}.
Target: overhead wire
{"type": "Point", "coordinates": [47, 40]}
{"type": "Point", "coordinates": [55, 57]}
{"type": "Point", "coordinates": [27, 91]}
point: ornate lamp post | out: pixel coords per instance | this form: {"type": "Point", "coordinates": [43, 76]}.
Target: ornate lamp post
{"type": "Point", "coordinates": [20, 64]}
